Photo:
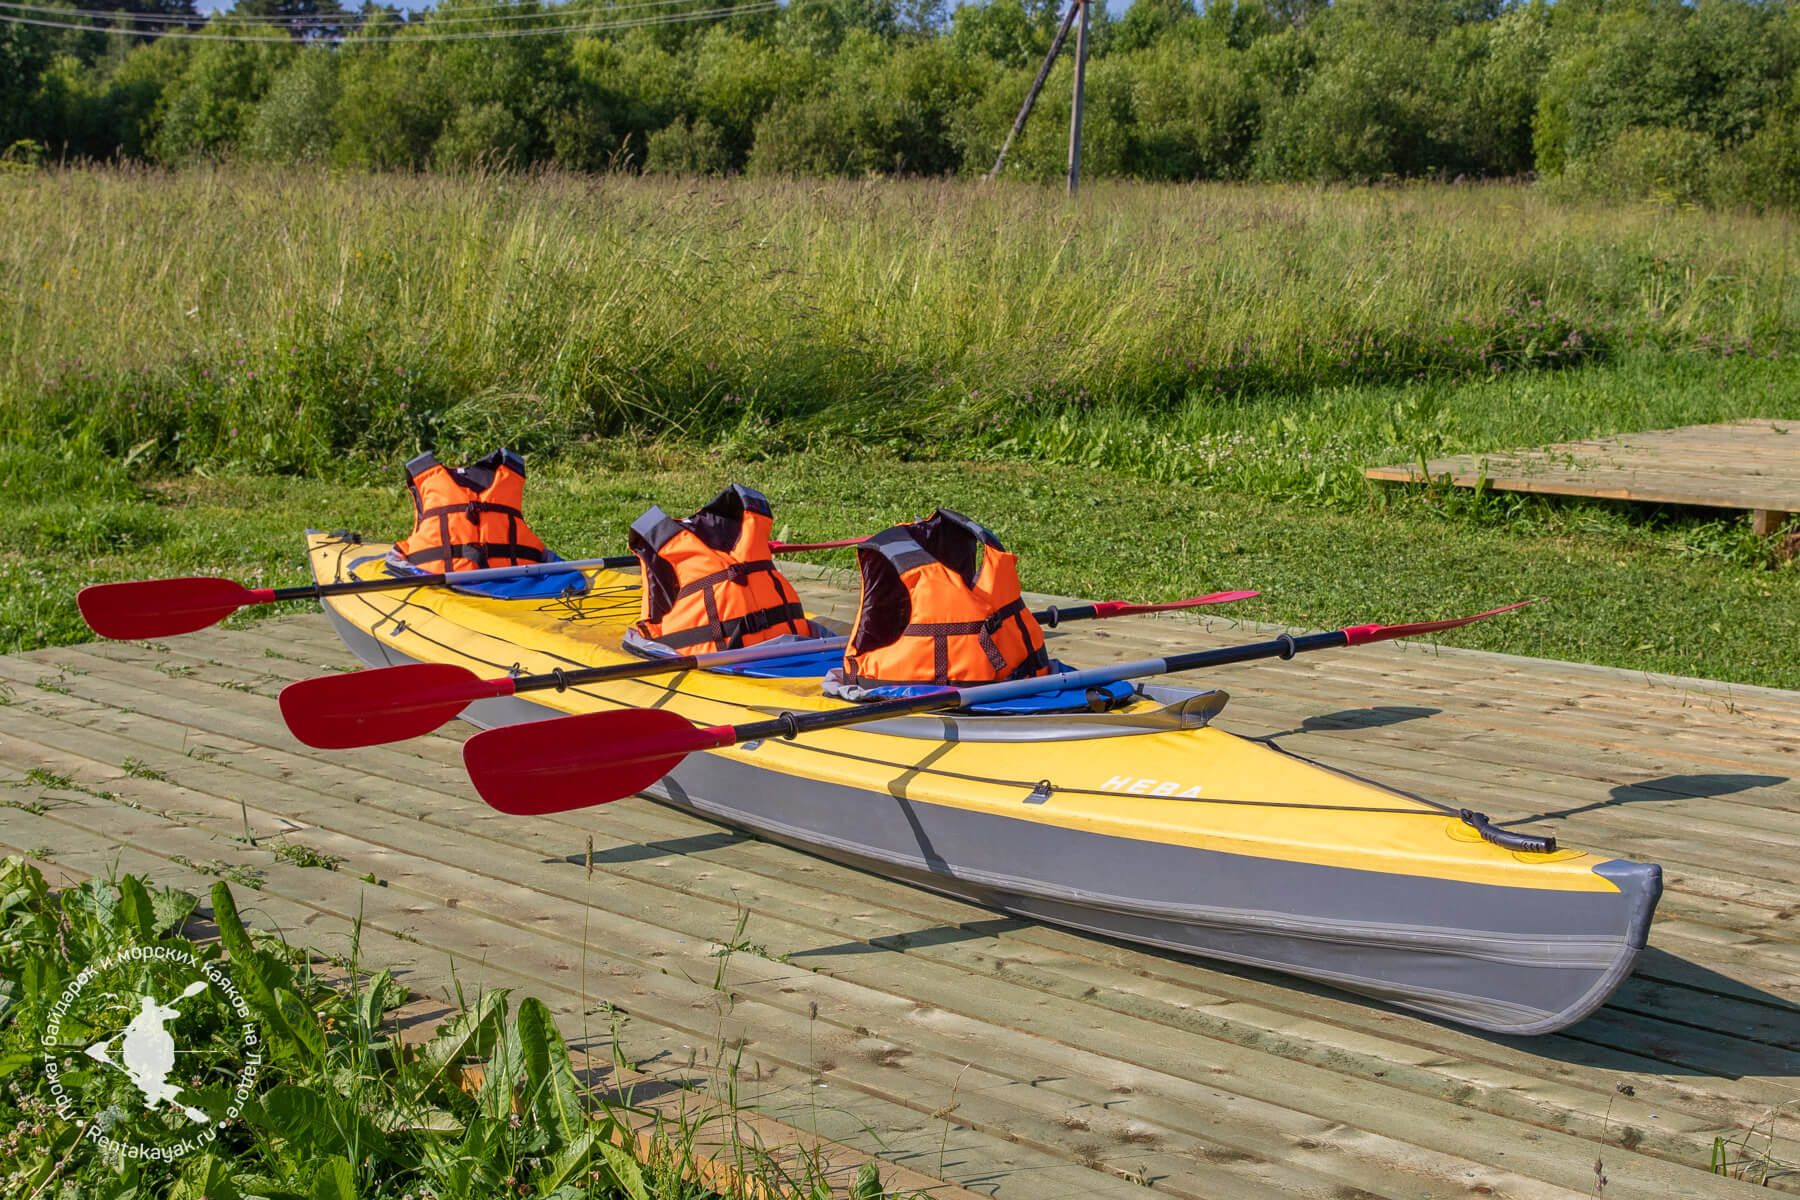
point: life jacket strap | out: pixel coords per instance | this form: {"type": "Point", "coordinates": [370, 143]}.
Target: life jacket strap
{"type": "Point", "coordinates": [478, 552]}
{"type": "Point", "coordinates": [472, 509]}
{"type": "Point", "coordinates": [730, 634]}
{"type": "Point", "coordinates": [735, 573]}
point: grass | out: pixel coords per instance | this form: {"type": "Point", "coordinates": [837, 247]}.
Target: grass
{"type": "Point", "coordinates": [329, 1100]}
{"type": "Point", "coordinates": [295, 322]}
{"type": "Point", "coordinates": [1153, 392]}
{"type": "Point", "coordinates": [1669, 592]}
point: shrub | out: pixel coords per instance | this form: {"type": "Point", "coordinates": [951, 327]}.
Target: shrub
{"type": "Point", "coordinates": [1661, 163]}
{"type": "Point", "coordinates": [1763, 172]}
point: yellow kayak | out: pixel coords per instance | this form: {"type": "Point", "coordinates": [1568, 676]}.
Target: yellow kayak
{"type": "Point", "coordinates": [1144, 822]}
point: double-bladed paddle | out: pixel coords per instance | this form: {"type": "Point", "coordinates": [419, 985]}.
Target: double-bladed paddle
{"type": "Point", "coordinates": [388, 704]}
{"type": "Point", "coordinates": [142, 608]}
{"type": "Point", "coordinates": [573, 762]}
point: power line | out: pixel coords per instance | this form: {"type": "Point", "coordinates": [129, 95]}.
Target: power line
{"type": "Point", "coordinates": [358, 38]}
{"type": "Point", "coordinates": [456, 16]}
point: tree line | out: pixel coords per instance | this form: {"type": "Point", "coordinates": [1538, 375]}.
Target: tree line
{"type": "Point", "coordinates": [1693, 102]}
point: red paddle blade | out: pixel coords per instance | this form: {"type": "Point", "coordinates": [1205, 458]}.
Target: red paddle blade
{"type": "Point", "coordinates": [576, 762]}
{"type": "Point", "coordinates": [1358, 635]}
{"type": "Point", "coordinates": [1118, 608]}
{"type": "Point", "coordinates": [161, 607]}
{"type": "Point", "coordinates": [364, 708]}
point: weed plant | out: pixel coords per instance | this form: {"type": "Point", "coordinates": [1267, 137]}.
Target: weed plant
{"type": "Point", "coordinates": [344, 1108]}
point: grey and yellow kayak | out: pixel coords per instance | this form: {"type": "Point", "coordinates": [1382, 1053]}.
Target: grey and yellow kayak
{"type": "Point", "coordinates": [1145, 823]}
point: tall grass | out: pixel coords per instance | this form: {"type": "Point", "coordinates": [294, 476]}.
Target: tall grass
{"type": "Point", "coordinates": [303, 322]}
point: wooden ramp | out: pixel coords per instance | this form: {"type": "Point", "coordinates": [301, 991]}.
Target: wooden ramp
{"type": "Point", "coordinates": [1013, 1059]}
{"type": "Point", "coordinates": [1750, 464]}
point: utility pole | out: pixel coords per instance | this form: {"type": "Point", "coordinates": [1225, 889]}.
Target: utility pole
{"type": "Point", "coordinates": [1037, 85]}
{"type": "Point", "coordinates": [1081, 39]}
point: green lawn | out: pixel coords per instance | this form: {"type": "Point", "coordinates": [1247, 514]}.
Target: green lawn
{"type": "Point", "coordinates": [1668, 593]}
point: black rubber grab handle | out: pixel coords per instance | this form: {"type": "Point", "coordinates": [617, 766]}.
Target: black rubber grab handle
{"type": "Point", "coordinates": [1506, 839]}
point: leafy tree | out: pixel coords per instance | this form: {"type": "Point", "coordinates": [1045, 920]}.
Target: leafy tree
{"type": "Point", "coordinates": [880, 111]}
{"type": "Point", "coordinates": [391, 105]}
{"type": "Point", "coordinates": [25, 53]}
{"type": "Point", "coordinates": [1193, 113]}
{"type": "Point", "coordinates": [293, 123]}
{"type": "Point", "coordinates": [1148, 22]}
{"type": "Point", "coordinates": [1013, 33]}
{"type": "Point", "coordinates": [203, 113]}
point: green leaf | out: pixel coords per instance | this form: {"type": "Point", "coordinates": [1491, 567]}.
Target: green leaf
{"type": "Point", "coordinates": [171, 908]}
{"type": "Point", "coordinates": [418, 1120]}
{"type": "Point", "coordinates": [470, 1034]}
{"type": "Point", "coordinates": [21, 886]}
{"type": "Point", "coordinates": [868, 1183]}
{"type": "Point", "coordinates": [274, 974]}
{"type": "Point", "coordinates": [18, 1058]}
{"type": "Point", "coordinates": [570, 1165]}
{"type": "Point", "coordinates": [231, 927]}
{"type": "Point", "coordinates": [316, 1123]}
{"type": "Point", "coordinates": [336, 1180]}
{"type": "Point", "coordinates": [138, 912]}
{"type": "Point", "coordinates": [555, 1096]}
{"type": "Point", "coordinates": [627, 1175]}
{"type": "Point", "coordinates": [505, 1066]}
{"type": "Point", "coordinates": [305, 1036]}
{"type": "Point", "coordinates": [204, 1178]}
{"type": "Point", "coordinates": [377, 997]}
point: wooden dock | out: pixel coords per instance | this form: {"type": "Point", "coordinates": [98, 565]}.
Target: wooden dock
{"type": "Point", "coordinates": [1751, 465]}
{"type": "Point", "coordinates": [1007, 1058]}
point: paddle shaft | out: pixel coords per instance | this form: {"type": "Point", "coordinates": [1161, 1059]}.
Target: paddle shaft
{"type": "Point", "coordinates": [388, 583]}
{"type": "Point", "coordinates": [792, 724]}
{"type": "Point", "coordinates": [789, 725]}
{"type": "Point", "coordinates": [350, 587]}
{"type": "Point", "coordinates": [560, 679]}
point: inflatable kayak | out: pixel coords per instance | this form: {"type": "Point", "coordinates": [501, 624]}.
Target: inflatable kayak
{"type": "Point", "coordinates": [1143, 821]}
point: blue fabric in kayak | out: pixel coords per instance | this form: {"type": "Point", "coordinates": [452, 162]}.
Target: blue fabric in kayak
{"type": "Point", "coordinates": [521, 587]}
{"type": "Point", "coordinates": [816, 665]}
{"type": "Point", "coordinates": [1062, 700]}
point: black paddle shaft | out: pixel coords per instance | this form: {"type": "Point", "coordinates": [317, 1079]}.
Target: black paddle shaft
{"type": "Point", "coordinates": [390, 583]}
{"type": "Point", "coordinates": [791, 725]}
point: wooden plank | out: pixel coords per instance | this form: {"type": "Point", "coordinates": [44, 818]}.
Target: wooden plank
{"type": "Point", "coordinates": [1751, 465]}
{"type": "Point", "coordinates": [1705, 1052]}
{"type": "Point", "coordinates": [1141, 1125]}
{"type": "Point", "coordinates": [294, 901]}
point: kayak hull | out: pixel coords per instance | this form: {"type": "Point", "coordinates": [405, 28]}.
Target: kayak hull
{"type": "Point", "coordinates": [1525, 957]}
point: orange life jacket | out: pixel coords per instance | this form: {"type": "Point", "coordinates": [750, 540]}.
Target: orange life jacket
{"type": "Point", "coordinates": [708, 581]}
{"type": "Point", "coordinates": [940, 604]}
{"type": "Point", "coordinates": [468, 518]}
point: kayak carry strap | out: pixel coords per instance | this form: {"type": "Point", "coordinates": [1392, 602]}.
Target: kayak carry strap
{"type": "Point", "coordinates": [1506, 839]}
